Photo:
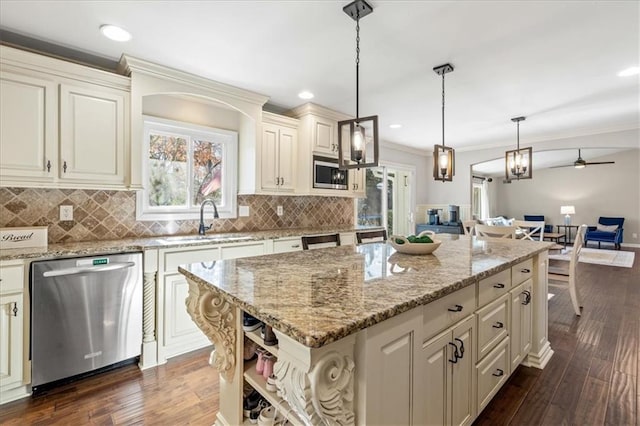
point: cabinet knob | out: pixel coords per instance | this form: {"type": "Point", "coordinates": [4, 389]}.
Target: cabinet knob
{"type": "Point", "coordinates": [498, 325]}
{"type": "Point", "coordinates": [64, 167]}
{"type": "Point", "coordinates": [15, 309]}
{"type": "Point", "coordinates": [456, 308]}
{"type": "Point", "coordinates": [525, 271]}
{"type": "Point", "coordinates": [498, 372]}
{"type": "Point", "coordinates": [48, 166]}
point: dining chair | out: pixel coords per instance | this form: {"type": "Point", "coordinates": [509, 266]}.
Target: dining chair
{"type": "Point", "coordinates": [469, 227]}
{"type": "Point", "coordinates": [529, 229]}
{"type": "Point", "coordinates": [567, 277]}
{"type": "Point", "coordinates": [321, 240]}
{"type": "Point", "coordinates": [371, 236]}
{"type": "Point", "coordinates": [488, 231]}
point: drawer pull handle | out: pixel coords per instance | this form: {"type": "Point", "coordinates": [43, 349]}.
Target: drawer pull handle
{"type": "Point", "coordinates": [498, 373]}
{"type": "Point", "coordinates": [48, 166]}
{"type": "Point", "coordinates": [527, 297]}
{"type": "Point", "coordinates": [458, 308]}
{"type": "Point", "coordinates": [461, 347]}
{"type": "Point", "coordinates": [295, 246]}
{"type": "Point", "coordinates": [498, 325]}
{"type": "Point", "coordinates": [499, 285]}
{"type": "Point", "coordinates": [455, 354]}
{"type": "Point", "coordinates": [525, 271]}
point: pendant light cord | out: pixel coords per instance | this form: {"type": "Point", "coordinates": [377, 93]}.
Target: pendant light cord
{"type": "Point", "coordinates": [443, 73]}
{"type": "Point", "coordinates": [358, 69]}
{"type": "Point", "coordinates": [518, 139]}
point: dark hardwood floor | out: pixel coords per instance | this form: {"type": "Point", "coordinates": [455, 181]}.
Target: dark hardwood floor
{"type": "Point", "coordinates": [592, 378]}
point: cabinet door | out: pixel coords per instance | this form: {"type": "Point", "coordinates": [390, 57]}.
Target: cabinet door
{"type": "Point", "coordinates": [438, 355]}
{"type": "Point", "coordinates": [28, 135]}
{"type": "Point", "coordinates": [324, 136]}
{"type": "Point", "coordinates": [520, 323]}
{"type": "Point", "coordinates": [11, 340]}
{"type": "Point", "coordinates": [357, 182]}
{"type": "Point", "coordinates": [269, 177]}
{"type": "Point", "coordinates": [462, 375]}
{"type": "Point", "coordinates": [93, 133]}
{"type": "Point", "coordinates": [287, 155]}
{"type": "Point", "coordinates": [181, 334]}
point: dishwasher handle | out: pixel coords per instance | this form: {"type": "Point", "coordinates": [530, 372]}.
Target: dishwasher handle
{"type": "Point", "coordinates": [88, 269]}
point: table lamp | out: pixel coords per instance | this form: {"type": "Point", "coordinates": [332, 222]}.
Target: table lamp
{"type": "Point", "coordinates": [567, 211]}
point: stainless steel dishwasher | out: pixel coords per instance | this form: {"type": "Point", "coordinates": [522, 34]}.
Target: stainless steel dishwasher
{"type": "Point", "coordinates": [86, 315]}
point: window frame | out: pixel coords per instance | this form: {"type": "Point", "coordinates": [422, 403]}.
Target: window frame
{"type": "Point", "coordinates": [227, 209]}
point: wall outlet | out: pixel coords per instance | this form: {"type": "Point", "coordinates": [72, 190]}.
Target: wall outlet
{"type": "Point", "coordinates": [243, 211]}
{"type": "Point", "coordinates": [279, 210]}
{"type": "Point", "coordinates": [66, 213]}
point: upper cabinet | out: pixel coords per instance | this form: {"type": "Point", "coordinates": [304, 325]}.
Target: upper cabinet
{"type": "Point", "coordinates": [63, 125]}
{"type": "Point", "coordinates": [278, 153]}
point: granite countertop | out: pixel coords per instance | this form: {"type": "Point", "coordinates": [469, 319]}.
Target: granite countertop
{"type": "Point", "coordinates": [88, 248]}
{"type": "Point", "coordinates": [320, 296]}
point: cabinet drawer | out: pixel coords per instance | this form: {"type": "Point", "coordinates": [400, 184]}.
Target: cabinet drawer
{"type": "Point", "coordinates": [173, 259]}
{"type": "Point", "coordinates": [444, 312]}
{"type": "Point", "coordinates": [492, 325]}
{"type": "Point", "coordinates": [492, 373]}
{"type": "Point", "coordinates": [242, 250]}
{"type": "Point", "coordinates": [493, 287]}
{"type": "Point", "coordinates": [11, 278]}
{"type": "Point", "coordinates": [287, 245]}
{"type": "Point", "coordinates": [522, 272]}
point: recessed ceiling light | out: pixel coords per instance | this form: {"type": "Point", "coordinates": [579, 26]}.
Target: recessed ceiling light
{"type": "Point", "coordinates": [115, 33]}
{"type": "Point", "coordinates": [395, 126]}
{"type": "Point", "coordinates": [629, 72]}
{"type": "Point", "coordinates": [305, 94]}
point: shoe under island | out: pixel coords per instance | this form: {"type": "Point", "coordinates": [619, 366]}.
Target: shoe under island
{"type": "Point", "coordinates": [367, 335]}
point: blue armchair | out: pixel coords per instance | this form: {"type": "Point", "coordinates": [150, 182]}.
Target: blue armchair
{"type": "Point", "coordinates": [601, 236]}
{"type": "Point", "coordinates": [539, 218]}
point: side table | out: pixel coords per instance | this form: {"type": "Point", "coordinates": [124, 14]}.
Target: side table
{"type": "Point", "coordinates": [567, 232]}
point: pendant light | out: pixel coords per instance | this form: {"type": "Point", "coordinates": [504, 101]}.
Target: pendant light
{"type": "Point", "coordinates": [517, 162]}
{"type": "Point", "coordinates": [443, 156]}
{"type": "Point", "coordinates": [358, 138]}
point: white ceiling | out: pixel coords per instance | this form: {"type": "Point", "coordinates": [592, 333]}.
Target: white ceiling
{"type": "Point", "coordinates": [555, 62]}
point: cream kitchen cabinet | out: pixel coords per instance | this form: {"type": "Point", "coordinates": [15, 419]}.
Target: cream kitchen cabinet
{"type": "Point", "coordinates": [278, 155]}
{"type": "Point", "coordinates": [449, 376]}
{"type": "Point", "coordinates": [521, 318]}
{"type": "Point", "coordinates": [14, 371]}
{"type": "Point", "coordinates": [357, 182]}
{"type": "Point", "coordinates": [63, 125]}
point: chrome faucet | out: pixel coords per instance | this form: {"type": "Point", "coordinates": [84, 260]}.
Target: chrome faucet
{"type": "Point", "coordinates": [202, 228]}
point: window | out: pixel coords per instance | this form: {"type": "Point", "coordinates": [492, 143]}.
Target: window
{"type": "Point", "coordinates": [183, 165]}
{"type": "Point", "coordinates": [477, 201]}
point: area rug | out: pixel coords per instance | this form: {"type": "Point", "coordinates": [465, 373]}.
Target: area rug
{"type": "Point", "coordinates": [623, 259]}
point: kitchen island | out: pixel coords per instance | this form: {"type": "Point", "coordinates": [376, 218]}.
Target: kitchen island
{"type": "Point", "coordinates": [370, 336]}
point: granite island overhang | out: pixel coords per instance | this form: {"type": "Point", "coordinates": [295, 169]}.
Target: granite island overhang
{"type": "Point", "coordinates": [327, 306]}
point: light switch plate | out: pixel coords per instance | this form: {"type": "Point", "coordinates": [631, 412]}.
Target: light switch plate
{"type": "Point", "coordinates": [243, 211]}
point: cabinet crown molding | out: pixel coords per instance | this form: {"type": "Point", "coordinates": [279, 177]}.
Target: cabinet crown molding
{"type": "Point", "coordinates": [271, 118]}
{"type": "Point", "coordinates": [129, 64]}
{"type": "Point", "coordinates": [314, 109]}
{"type": "Point", "coordinates": [12, 57]}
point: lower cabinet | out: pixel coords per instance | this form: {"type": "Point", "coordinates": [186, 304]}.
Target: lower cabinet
{"type": "Point", "coordinates": [492, 372]}
{"type": "Point", "coordinates": [449, 376]}
{"type": "Point", "coordinates": [13, 364]}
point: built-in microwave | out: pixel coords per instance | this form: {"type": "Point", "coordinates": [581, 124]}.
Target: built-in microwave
{"type": "Point", "coordinates": [327, 175]}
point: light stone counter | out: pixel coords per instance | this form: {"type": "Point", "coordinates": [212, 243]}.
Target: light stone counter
{"type": "Point", "coordinates": [90, 248]}
{"type": "Point", "coordinates": [320, 296]}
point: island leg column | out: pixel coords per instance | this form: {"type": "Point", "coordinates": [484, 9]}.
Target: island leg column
{"type": "Point", "coordinates": [149, 351]}
{"type": "Point", "coordinates": [317, 383]}
{"type": "Point", "coordinates": [541, 350]}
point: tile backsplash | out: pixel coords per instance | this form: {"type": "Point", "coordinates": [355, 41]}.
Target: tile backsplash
{"type": "Point", "coordinates": [110, 215]}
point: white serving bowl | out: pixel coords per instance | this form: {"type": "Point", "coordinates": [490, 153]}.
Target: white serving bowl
{"type": "Point", "coordinates": [415, 248]}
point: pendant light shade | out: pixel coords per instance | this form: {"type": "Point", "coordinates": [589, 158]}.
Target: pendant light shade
{"type": "Point", "coordinates": [518, 162]}
{"type": "Point", "coordinates": [358, 138]}
{"type": "Point", "coordinates": [443, 156]}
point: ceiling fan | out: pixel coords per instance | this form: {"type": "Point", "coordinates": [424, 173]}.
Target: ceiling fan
{"type": "Point", "coordinates": [581, 164]}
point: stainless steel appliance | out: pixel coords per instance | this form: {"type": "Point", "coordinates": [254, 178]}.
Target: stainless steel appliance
{"type": "Point", "coordinates": [86, 315]}
{"type": "Point", "coordinates": [327, 175]}
{"type": "Point", "coordinates": [433, 217]}
{"type": "Point", "coordinates": [454, 213]}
